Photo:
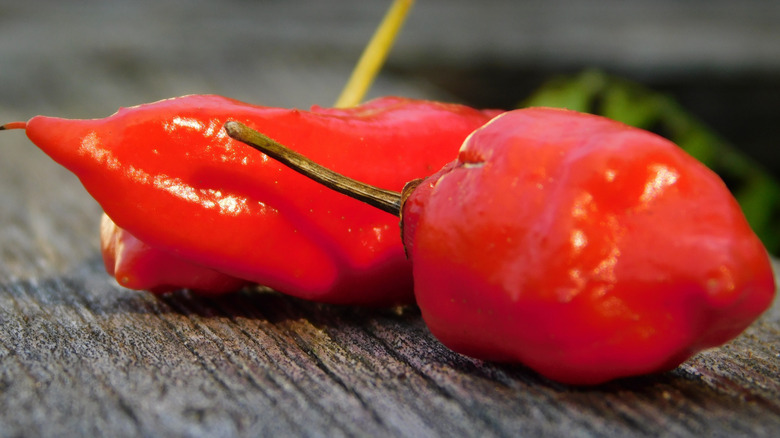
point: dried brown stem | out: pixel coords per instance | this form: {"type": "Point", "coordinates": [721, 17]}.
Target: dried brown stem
{"type": "Point", "coordinates": [385, 200]}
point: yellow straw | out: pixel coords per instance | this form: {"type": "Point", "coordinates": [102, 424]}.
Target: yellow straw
{"type": "Point", "coordinates": [374, 55]}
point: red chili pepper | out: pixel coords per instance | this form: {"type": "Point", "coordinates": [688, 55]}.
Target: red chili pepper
{"type": "Point", "coordinates": [581, 247]}
{"type": "Point", "coordinates": [167, 173]}
{"type": "Point", "coordinates": [136, 265]}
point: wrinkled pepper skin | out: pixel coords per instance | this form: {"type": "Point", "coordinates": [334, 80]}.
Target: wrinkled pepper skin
{"type": "Point", "coordinates": [136, 265]}
{"type": "Point", "coordinates": [583, 248]}
{"type": "Point", "coordinates": [168, 174]}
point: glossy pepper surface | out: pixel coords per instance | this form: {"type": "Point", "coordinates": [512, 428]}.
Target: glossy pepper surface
{"type": "Point", "coordinates": [583, 248]}
{"type": "Point", "coordinates": [168, 174]}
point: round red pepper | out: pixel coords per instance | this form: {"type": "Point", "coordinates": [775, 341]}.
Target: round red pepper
{"type": "Point", "coordinates": [167, 173]}
{"type": "Point", "coordinates": [583, 248]}
{"type": "Point", "coordinates": [586, 249]}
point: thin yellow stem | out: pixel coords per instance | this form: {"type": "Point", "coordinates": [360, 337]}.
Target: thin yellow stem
{"type": "Point", "coordinates": [374, 55]}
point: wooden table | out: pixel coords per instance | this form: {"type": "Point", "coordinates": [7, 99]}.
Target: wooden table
{"type": "Point", "coordinates": [80, 356]}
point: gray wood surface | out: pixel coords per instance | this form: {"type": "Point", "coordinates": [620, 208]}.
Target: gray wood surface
{"type": "Point", "coordinates": [80, 356]}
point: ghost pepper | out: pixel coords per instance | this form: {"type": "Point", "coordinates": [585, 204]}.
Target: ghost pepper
{"type": "Point", "coordinates": [168, 174]}
{"type": "Point", "coordinates": [582, 248]}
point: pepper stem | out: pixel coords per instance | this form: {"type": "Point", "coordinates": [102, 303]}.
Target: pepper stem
{"type": "Point", "coordinates": [13, 125]}
{"type": "Point", "coordinates": [374, 55]}
{"type": "Point", "coordinates": [385, 200]}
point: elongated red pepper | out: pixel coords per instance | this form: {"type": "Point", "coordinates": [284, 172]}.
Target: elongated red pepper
{"type": "Point", "coordinates": [581, 247]}
{"type": "Point", "coordinates": [168, 174]}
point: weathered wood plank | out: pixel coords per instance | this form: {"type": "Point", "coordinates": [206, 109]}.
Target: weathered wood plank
{"type": "Point", "coordinates": [78, 355]}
